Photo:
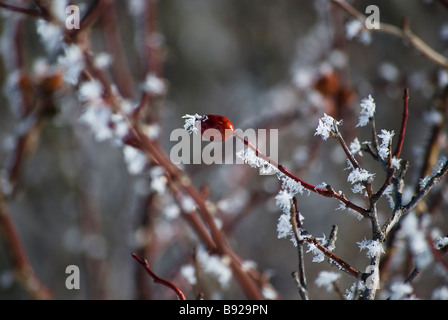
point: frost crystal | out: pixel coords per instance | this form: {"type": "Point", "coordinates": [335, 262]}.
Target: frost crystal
{"type": "Point", "coordinates": [367, 111]}
{"type": "Point", "coordinates": [327, 126]}
{"type": "Point", "coordinates": [355, 28]}
{"type": "Point", "coordinates": [352, 29]}
{"type": "Point", "coordinates": [374, 247]}
{"type": "Point", "coordinates": [383, 149]}
{"type": "Point", "coordinates": [387, 193]}
{"type": "Point", "coordinates": [97, 119]}
{"type": "Point", "coordinates": [284, 228]}
{"type": "Point", "coordinates": [413, 232]}
{"type": "Point", "coordinates": [440, 293]}
{"type": "Point", "coordinates": [400, 290]}
{"type": "Point", "coordinates": [190, 122]}
{"type": "Point", "coordinates": [102, 60]}
{"type": "Point", "coordinates": [73, 62]}
{"type": "Point", "coordinates": [358, 188]}
{"type": "Point", "coordinates": [135, 160]}
{"type": "Point", "coordinates": [171, 211]}
{"type": "Point", "coordinates": [283, 200]}
{"type": "Point", "coordinates": [188, 204]}
{"type": "Point", "coordinates": [50, 34]}
{"type": "Point", "coordinates": [357, 286]}
{"type": "Point", "coordinates": [441, 242]}
{"type": "Point", "coordinates": [396, 162]}
{"type": "Point", "coordinates": [215, 266]}
{"type": "Point", "coordinates": [355, 147]}
{"type": "Point", "coordinates": [158, 179]}
{"type": "Point", "coordinates": [359, 175]}
{"type": "Point", "coordinates": [189, 273]}
{"type": "Point", "coordinates": [154, 85]}
{"type": "Point", "coordinates": [90, 90]}
{"type": "Point", "coordinates": [290, 185]}
{"type": "Point", "coordinates": [326, 279]}
{"type": "Point", "coordinates": [319, 256]}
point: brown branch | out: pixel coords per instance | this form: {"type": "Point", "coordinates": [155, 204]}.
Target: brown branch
{"type": "Point", "coordinates": [404, 120]}
{"type": "Point", "coordinates": [344, 265]}
{"type": "Point", "coordinates": [328, 193]}
{"type": "Point", "coordinates": [120, 67]}
{"type": "Point", "coordinates": [299, 275]}
{"type": "Point", "coordinates": [158, 155]}
{"type": "Point", "coordinates": [405, 33]}
{"type": "Point", "coordinates": [28, 11]}
{"type": "Point", "coordinates": [22, 267]}
{"type": "Point", "coordinates": [157, 279]}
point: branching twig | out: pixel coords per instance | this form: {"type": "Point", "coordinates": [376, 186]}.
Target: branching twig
{"type": "Point", "coordinates": [328, 193]}
{"type": "Point", "coordinates": [299, 276]}
{"type": "Point", "coordinates": [405, 33]}
{"type": "Point", "coordinates": [157, 279]}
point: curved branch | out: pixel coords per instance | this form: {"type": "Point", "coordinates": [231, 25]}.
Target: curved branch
{"type": "Point", "coordinates": [157, 279]}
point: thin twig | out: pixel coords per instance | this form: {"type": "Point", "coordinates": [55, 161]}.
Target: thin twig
{"type": "Point", "coordinates": [157, 279]}
{"type": "Point", "coordinates": [28, 11]}
{"type": "Point", "coordinates": [300, 275]}
{"type": "Point", "coordinates": [405, 33]}
{"type": "Point", "coordinates": [22, 267]}
{"type": "Point", "coordinates": [329, 192]}
{"type": "Point", "coordinates": [404, 120]}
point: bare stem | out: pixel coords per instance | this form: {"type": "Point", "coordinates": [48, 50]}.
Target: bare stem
{"type": "Point", "coordinates": [28, 11]}
{"type": "Point", "coordinates": [404, 120]}
{"type": "Point", "coordinates": [328, 192]}
{"type": "Point", "coordinates": [300, 275]}
{"type": "Point", "coordinates": [405, 33]}
{"type": "Point", "coordinates": [157, 279]}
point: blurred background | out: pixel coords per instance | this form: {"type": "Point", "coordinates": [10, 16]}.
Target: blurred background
{"type": "Point", "coordinates": [263, 64]}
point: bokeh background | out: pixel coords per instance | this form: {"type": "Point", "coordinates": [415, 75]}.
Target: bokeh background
{"type": "Point", "coordinates": [263, 64]}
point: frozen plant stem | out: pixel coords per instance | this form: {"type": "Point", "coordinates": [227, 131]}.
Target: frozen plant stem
{"type": "Point", "coordinates": [328, 193]}
{"type": "Point", "coordinates": [299, 276]}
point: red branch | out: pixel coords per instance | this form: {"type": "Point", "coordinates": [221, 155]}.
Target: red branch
{"type": "Point", "coordinates": [328, 192]}
{"type": "Point", "coordinates": [31, 12]}
{"type": "Point", "coordinates": [156, 279]}
{"type": "Point", "coordinates": [403, 123]}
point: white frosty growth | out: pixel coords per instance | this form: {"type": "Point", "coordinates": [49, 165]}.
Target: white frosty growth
{"type": "Point", "coordinates": [319, 256]}
{"type": "Point", "coordinates": [355, 147]}
{"type": "Point", "coordinates": [386, 137]}
{"type": "Point", "coordinates": [327, 126]}
{"type": "Point", "coordinates": [283, 200]}
{"type": "Point", "coordinates": [374, 247]}
{"type": "Point", "coordinates": [73, 62]}
{"type": "Point", "coordinates": [190, 123]}
{"type": "Point", "coordinates": [359, 175]}
{"type": "Point", "coordinates": [367, 111]}
{"type": "Point", "coordinates": [154, 85]}
{"type": "Point", "coordinates": [135, 160]}
{"type": "Point", "coordinates": [284, 228]}
{"type": "Point", "coordinates": [440, 293]}
{"type": "Point", "coordinates": [326, 279]}
{"type": "Point", "coordinates": [400, 290]}
{"type": "Point", "coordinates": [215, 266]}
{"type": "Point", "coordinates": [189, 273]}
